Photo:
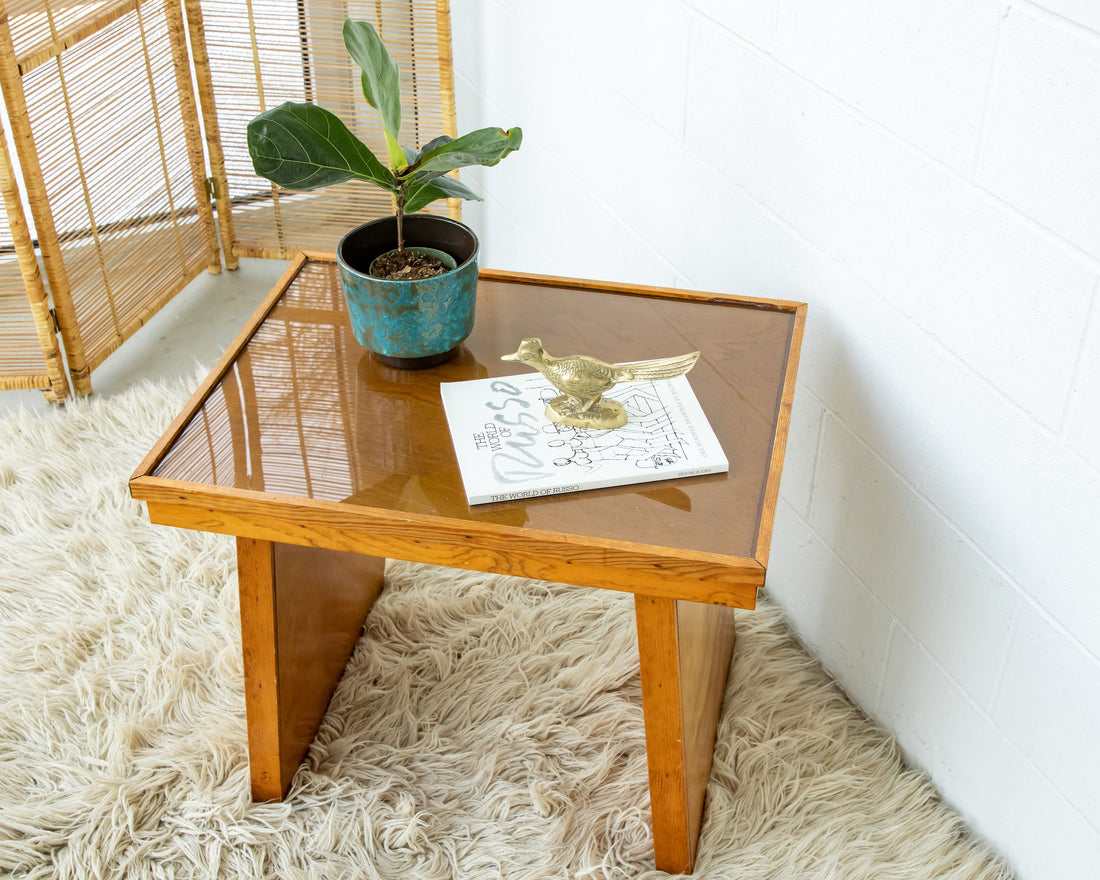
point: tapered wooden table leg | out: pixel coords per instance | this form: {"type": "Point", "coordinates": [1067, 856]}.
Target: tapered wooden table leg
{"type": "Point", "coordinates": [302, 611]}
{"type": "Point", "coordinates": [685, 650]}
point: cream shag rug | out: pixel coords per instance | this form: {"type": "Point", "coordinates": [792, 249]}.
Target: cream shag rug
{"type": "Point", "coordinates": [487, 726]}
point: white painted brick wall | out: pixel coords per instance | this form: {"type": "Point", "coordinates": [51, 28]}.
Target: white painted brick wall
{"type": "Point", "coordinates": [1084, 407]}
{"type": "Point", "coordinates": [838, 616]}
{"type": "Point", "coordinates": [962, 267]}
{"type": "Point", "coordinates": [1046, 678]}
{"type": "Point", "coordinates": [927, 177]}
{"type": "Point", "coordinates": [975, 764]}
{"type": "Point", "coordinates": [941, 588]}
{"type": "Point", "coordinates": [1084, 13]}
{"type": "Point", "coordinates": [1041, 136]}
{"type": "Point", "coordinates": [754, 22]}
{"type": "Point", "coordinates": [920, 69]}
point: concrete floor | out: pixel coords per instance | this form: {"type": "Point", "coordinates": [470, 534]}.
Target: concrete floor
{"type": "Point", "coordinates": [194, 328]}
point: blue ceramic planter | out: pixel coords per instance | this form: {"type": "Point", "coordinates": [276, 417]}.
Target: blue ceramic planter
{"type": "Point", "coordinates": [410, 324]}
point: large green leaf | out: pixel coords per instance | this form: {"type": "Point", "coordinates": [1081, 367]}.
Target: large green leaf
{"type": "Point", "coordinates": [431, 145]}
{"type": "Point", "coordinates": [381, 80]}
{"type": "Point", "coordinates": [424, 191]}
{"type": "Point", "coordinates": [486, 146]}
{"type": "Point", "coordinates": [303, 146]}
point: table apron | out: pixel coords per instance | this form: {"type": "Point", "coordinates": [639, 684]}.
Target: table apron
{"type": "Point", "coordinates": [630, 568]}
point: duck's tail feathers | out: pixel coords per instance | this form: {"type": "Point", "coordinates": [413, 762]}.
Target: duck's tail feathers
{"type": "Point", "coordinates": [662, 368]}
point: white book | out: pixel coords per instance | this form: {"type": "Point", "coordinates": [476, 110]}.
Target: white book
{"type": "Point", "coordinates": [507, 449]}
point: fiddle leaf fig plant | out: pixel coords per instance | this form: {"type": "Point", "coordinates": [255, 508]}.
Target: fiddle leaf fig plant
{"type": "Point", "coordinates": [302, 146]}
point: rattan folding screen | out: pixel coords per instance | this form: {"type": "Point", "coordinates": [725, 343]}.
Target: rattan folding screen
{"type": "Point", "coordinates": [126, 120]}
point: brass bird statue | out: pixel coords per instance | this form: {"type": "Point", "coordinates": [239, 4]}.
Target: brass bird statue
{"type": "Point", "coordinates": [583, 380]}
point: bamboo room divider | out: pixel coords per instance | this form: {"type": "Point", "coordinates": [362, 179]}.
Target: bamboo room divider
{"type": "Point", "coordinates": [126, 119]}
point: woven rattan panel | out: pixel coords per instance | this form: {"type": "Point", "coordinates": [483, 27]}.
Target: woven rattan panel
{"type": "Point", "coordinates": [111, 135]}
{"type": "Point", "coordinates": [38, 26]}
{"type": "Point", "coordinates": [21, 363]}
{"type": "Point", "coordinates": [108, 160]}
{"type": "Point", "coordinates": [29, 350]}
{"type": "Point", "coordinates": [264, 52]}
{"type": "Point", "coordinates": [21, 357]}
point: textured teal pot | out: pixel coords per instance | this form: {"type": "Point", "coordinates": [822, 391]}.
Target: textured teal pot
{"type": "Point", "coordinates": [410, 324]}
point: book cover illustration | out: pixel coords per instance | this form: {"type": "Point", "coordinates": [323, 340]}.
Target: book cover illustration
{"type": "Point", "coordinates": [507, 449]}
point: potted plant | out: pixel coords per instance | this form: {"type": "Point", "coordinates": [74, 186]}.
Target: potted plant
{"type": "Point", "coordinates": [410, 280]}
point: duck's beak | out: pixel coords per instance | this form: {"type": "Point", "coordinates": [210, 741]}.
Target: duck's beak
{"type": "Point", "coordinates": [510, 357]}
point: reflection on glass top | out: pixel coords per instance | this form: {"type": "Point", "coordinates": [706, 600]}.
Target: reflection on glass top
{"type": "Point", "coordinates": [305, 412]}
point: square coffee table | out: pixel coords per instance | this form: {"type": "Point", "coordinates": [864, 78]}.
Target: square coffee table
{"type": "Point", "coordinates": [324, 462]}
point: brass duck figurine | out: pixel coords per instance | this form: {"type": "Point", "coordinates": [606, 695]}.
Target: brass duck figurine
{"type": "Point", "coordinates": [583, 380]}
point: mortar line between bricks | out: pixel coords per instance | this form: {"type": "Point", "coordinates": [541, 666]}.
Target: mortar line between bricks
{"type": "Point", "coordinates": [1002, 667]}
{"type": "Point", "coordinates": [688, 78]}
{"type": "Point", "coordinates": [1091, 321]}
{"type": "Point", "coordinates": [818, 440]}
{"type": "Point", "coordinates": [987, 98]}
{"type": "Point", "coordinates": [880, 685]}
{"type": "Point", "coordinates": [1065, 23]}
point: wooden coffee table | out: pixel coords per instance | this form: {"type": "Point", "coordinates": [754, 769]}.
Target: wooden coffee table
{"type": "Point", "coordinates": [323, 463]}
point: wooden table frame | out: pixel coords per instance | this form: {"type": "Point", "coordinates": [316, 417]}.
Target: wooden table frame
{"type": "Point", "coordinates": [295, 647]}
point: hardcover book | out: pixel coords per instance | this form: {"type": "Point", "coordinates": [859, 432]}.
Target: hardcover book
{"type": "Point", "coordinates": [507, 449]}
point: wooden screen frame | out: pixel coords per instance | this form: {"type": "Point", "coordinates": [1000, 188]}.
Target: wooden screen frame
{"type": "Point", "coordinates": [69, 354]}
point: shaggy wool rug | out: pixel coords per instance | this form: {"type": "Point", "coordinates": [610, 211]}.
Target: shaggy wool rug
{"type": "Point", "coordinates": [486, 726]}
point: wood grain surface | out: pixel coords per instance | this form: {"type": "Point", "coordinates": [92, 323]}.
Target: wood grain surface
{"type": "Point", "coordinates": [322, 462]}
{"type": "Point", "coordinates": [302, 612]}
{"type": "Point", "coordinates": [298, 397]}
{"type": "Point", "coordinates": [685, 650]}
{"type": "Point", "coordinates": [593, 562]}
{"type": "Point", "coordinates": [779, 442]}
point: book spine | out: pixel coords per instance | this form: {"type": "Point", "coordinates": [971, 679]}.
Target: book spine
{"type": "Point", "coordinates": [564, 488]}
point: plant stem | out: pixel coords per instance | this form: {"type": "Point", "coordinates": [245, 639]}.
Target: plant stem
{"type": "Point", "coordinates": [402, 194]}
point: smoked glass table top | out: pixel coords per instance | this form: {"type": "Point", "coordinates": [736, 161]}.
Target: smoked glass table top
{"type": "Point", "coordinates": [302, 411]}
